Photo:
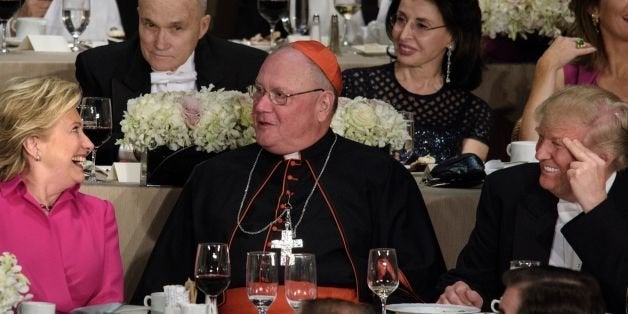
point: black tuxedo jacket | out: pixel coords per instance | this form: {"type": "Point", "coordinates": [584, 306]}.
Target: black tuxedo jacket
{"type": "Point", "coordinates": [516, 219]}
{"type": "Point", "coordinates": [119, 71]}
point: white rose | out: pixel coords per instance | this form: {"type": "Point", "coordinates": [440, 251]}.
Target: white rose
{"type": "Point", "coordinates": [362, 116]}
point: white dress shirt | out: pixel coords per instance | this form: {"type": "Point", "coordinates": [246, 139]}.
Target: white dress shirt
{"type": "Point", "coordinates": [182, 79]}
{"type": "Point", "coordinates": [562, 254]}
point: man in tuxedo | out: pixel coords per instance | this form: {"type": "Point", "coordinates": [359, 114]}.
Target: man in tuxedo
{"type": "Point", "coordinates": [570, 210]}
{"type": "Point", "coordinates": [173, 52]}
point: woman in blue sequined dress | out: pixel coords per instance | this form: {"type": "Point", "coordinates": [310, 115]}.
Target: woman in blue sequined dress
{"type": "Point", "coordinates": [437, 63]}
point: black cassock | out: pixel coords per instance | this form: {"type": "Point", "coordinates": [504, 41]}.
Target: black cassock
{"type": "Point", "coordinates": [364, 199]}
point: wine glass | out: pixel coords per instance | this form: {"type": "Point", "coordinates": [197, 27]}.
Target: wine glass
{"type": "Point", "coordinates": [382, 273]}
{"type": "Point", "coordinates": [272, 11]}
{"type": "Point", "coordinates": [75, 16]}
{"type": "Point", "coordinates": [347, 8]}
{"type": "Point", "coordinates": [261, 279]}
{"type": "Point", "coordinates": [7, 8]}
{"type": "Point", "coordinates": [96, 115]}
{"type": "Point", "coordinates": [212, 272]}
{"type": "Point", "coordinates": [300, 279]}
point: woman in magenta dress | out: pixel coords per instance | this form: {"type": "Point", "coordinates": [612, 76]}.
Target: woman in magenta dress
{"type": "Point", "coordinates": [599, 56]}
{"type": "Point", "coordinates": [65, 241]}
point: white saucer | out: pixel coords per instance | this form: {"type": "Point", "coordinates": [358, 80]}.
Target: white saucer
{"type": "Point", "coordinates": [259, 45]}
{"type": "Point", "coordinates": [412, 308]}
{"type": "Point", "coordinates": [14, 41]}
{"type": "Point", "coordinates": [371, 49]}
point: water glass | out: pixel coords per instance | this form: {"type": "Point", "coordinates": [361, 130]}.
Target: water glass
{"type": "Point", "coordinates": [347, 8]}
{"type": "Point", "coordinates": [75, 16]}
{"type": "Point", "coordinates": [382, 273]}
{"type": "Point", "coordinates": [7, 8]}
{"type": "Point", "coordinates": [272, 11]}
{"type": "Point", "coordinates": [523, 263]}
{"type": "Point", "coordinates": [300, 279]}
{"type": "Point", "coordinates": [404, 155]}
{"type": "Point", "coordinates": [261, 279]}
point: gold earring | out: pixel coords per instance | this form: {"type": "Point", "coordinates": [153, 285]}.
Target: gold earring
{"type": "Point", "coordinates": [595, 19]}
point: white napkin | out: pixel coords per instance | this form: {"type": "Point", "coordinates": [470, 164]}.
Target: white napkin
{"type": "Point", "coordinates": [175, 294]}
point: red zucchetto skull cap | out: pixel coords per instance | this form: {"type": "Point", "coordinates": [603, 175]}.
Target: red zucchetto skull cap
{"type": "Point", "coordinates": [323, 58]}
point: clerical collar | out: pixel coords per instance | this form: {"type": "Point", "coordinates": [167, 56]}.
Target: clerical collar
{"type": "Point", "coordinates": [315, 151]}
{"type": "Point", "coordinates": [293, 156]}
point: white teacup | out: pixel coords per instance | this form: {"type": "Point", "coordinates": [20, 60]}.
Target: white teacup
{"type": "Point", "coordinates": [193, 308]}
{"type": "Point", "coordinates": [522, 151]}
{"type": "Point", "coordinates": [32, 307]}
{"type": "Point", "coordinates": [24, 26]}
{"type": "Point", "coordinates": [156, 301]}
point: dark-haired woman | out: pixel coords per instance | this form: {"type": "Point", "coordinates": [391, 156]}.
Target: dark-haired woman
{"type": "Point", "coordinates": [437, 63]}
{"type": "Point", "coordinates": [599, 56]}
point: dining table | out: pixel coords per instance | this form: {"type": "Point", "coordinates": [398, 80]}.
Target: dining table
{"type": "Point", "coordinates": [141, 212]}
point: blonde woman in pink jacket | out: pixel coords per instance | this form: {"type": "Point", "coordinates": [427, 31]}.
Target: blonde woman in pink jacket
{"type": "Point", "coordinates": [65, 241]}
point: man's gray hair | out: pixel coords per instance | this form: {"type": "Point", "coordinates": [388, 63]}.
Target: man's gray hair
{"type": "Point", "coordinates": [602, 112]}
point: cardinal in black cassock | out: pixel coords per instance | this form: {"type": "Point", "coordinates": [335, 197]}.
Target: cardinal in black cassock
{"type": "Point", "coordinates": [339, 197]}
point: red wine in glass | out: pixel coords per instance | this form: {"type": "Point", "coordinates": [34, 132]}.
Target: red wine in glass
{"type": "Point", "coordinates": [96, 116]}
{"type": "Point", "coordinates": [212, 284]}
{"type": "Point", "coordinates": [98, 135]}
{"type": "Point", "coordinates": [212, 271]}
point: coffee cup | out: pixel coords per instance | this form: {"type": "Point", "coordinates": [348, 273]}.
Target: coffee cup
{"type": "Point", "coordinates": [24, 26]}
{"type": "Point", "coordinates": [522, 151]}
{"type": "Point", "coordinates": [156, 301]}
{"type": "Point", "coordinates": [32, 307]}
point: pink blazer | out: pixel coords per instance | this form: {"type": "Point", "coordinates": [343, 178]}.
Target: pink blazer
{"type": "Point", "coordinates": [71, 256]}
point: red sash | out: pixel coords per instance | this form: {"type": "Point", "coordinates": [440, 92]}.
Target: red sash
{"type": "Point", "coordinates": [237, 301]}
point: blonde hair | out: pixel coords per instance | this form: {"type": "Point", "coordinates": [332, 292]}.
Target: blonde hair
{"type": "Point", "coordinates": [599, 110]}
{"type": "Point", "coordinates": [30, 107]}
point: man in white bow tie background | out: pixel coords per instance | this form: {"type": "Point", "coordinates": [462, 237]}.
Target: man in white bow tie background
{"type": "Point", "coordinates": [173, 52]}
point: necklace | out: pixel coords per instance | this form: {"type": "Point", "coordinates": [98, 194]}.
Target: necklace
{"type": "Point", "coordinates": [288, 206]}
{"type": "Point", "coordinates": [45, 207]}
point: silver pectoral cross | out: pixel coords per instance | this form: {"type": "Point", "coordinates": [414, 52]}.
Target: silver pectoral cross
{"type": "Point", "coordinates": [286, 244]}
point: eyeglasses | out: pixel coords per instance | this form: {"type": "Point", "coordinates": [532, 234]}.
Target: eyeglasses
{"type": "Point", "coordinates": [276, 97]}
{"type": "Point", "coordinates": [399, 21]}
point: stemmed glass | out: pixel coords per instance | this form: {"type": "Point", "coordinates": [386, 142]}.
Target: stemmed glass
{"type": "Point", "coordinates": [96, 115]}
{"type": "Point", "coordinates": [382, 273]}
{"type": "Point", "coordinates": [212, 272]}
{"type": "Point", "coordinates": [75, 15]}
{"type": "Point", "coordinates": [272, 11]}
{"type": "Point", "coordinates": [261, 279]}
{"type": "Point", "coordinates": [7, 8]}
{"type": "Point", "coordinates": [347, 8]}
{"type": "Point", "coordinates": [300, 279]}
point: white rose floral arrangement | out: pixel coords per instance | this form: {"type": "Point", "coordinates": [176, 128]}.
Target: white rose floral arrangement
{"type": "Point", "coordinates": [212, 120]}
{"type": "Point", "coordinates": [13, 284]}
{"type": "Point", "coordinates": [370, 121]}
{"type": "Point", "coordinates": [521, 17]}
